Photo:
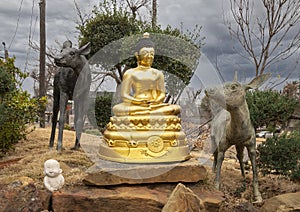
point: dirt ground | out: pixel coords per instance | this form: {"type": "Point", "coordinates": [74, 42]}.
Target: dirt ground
{"type": "Point", "coordinates": [25, 163]}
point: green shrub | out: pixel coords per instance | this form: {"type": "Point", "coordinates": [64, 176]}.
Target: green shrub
{"type": "Point", "coordinates": [17, 108]}
{"type": "Point", "coordinates": [270, 108]}
{"type": "Point", "coordinates": [281, 155]}
{"type": "Point", "coordinates": [100, 111]}
{"type": "Point", "coordinates": [68, 127]}
{"type": "Point", "coordinates": [6, 81]}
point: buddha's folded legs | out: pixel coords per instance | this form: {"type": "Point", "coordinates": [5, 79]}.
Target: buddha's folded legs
{"type": "Point", "coordinates": [127, 109]}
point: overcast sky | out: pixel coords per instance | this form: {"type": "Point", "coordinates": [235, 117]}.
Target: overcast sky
{"type": "Point", "coordinates": [20, 22]}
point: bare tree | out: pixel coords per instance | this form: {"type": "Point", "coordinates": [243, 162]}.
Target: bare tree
{"type": "Point", "coordinates": [50, 70]}
{"type": "Point", "coordinates": [82, 17]}
{"type": "Point", "coordinates": [135, 5]}
{"type": "Point", "coordinates": [268, 30]}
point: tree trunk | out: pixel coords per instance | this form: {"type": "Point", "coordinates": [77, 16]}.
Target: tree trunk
{"type": "Point", "coordinates": [42, 91]}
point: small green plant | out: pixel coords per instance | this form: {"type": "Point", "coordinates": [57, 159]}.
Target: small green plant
{"type": "Point", "coordinates": [68, 127]}
{"type": "Point", "coordinates": [281, 155]}
{"type": "Point", "coordinates": [100, 111]}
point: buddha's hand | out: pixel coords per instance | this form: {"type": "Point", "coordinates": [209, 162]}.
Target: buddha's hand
{"type": "Point", "coordinates": [141, 102]}
{"type": "Point", "coordinates": [152, 101]}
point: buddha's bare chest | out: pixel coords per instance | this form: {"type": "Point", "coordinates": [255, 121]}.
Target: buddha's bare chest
{"type": "Point", "coordinates": [145, 78]}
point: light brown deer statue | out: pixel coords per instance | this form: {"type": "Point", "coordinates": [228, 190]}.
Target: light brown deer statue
{"type": "Point", "coordinates": [232, 126]}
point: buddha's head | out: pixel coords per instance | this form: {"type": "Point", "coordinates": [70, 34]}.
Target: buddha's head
{"type": "Point", "coordinates": [145, 51]}
{"type": "Point", "coordinates": [52, 168]}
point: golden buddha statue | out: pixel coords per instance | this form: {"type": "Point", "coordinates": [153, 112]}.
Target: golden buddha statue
{"type": "Point", "coordinates": [143, 128]}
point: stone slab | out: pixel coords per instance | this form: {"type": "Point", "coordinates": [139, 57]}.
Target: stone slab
{"type": "Point", "coordinates": [112, 173]}
{"type": "Point", "coordinates": [284, 202]}
{"type": "Point", "coordinates": [133, 198]}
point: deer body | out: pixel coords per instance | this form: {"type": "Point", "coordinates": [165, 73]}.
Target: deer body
{"type": "Point", "coordinates": [72, 81]}
{"type": "Point", "coordinates": [232, 126]}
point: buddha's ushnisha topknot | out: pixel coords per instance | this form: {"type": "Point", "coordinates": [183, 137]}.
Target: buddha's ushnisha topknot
{"type": "Point", "coordinates": [145, 41]}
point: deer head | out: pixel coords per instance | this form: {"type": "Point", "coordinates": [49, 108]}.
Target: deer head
{"type": "Point", "coordinates": [71, 57]}
{"type": "Point", "coordinates": [232, 94]}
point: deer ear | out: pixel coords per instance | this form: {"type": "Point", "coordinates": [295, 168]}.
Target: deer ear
{"type": "Point", "coordinates": [86, 49]}
{"type": "Point", "coordinates": [235, 78]}
{"type": "Point", "coordinates": [258, 81]}
{"type": "Point", "coordinates": [67, 44]}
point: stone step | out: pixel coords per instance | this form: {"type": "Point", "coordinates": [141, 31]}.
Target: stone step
{"type": "Point", "coordinates": [133, 198]}
{"type": "Point", "coordinates": [105, 173]}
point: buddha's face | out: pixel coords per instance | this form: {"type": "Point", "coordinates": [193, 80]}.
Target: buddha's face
{"type": "Point", "coordinates": [146, 56]}
{"type": "Point", "coordinates": [52, 168]}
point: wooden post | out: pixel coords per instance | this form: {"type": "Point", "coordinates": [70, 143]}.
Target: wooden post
{"type": "Point", "coordinates": [42, 90]}
{"type": "Point", "coordinates": [154, 13]}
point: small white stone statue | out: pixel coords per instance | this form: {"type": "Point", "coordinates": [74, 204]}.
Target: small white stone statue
{"type": "Point", "coordinates": [53, 180]}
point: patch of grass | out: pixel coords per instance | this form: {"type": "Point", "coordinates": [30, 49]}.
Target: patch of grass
{"type": "Point", "coordinates": [35, 151]}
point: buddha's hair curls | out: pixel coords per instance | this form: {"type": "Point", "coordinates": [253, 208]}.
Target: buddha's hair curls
{"type": "Point", "coordinates": [145, 41]}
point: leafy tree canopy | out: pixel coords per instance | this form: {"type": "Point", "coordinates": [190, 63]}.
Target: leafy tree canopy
{"type": "Point", "coordinates": [113, 33]}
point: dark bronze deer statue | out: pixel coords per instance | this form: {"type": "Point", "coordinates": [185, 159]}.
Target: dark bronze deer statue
{"type": "Point", "coordinates": [232, 126]}
{"type": "Point", "coordinates": [72, 81]}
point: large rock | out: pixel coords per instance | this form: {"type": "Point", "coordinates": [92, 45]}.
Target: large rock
{"type": "Point", "coordinates": [183, 199]}
{"type": "Point", "coordinates": [117, 173]}
{"type": "Point", "coordinates": [151, 197]}
{"type": "Point", "coordinates": [23, 195]}
{"type": "Point", "coordinates": [282, 203]}
{"type": "Point", "coordinates": [133, 199]}
{"type": "Point", "coordinates": [212, 200]}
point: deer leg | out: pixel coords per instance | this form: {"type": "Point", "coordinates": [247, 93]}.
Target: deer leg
{"type": "Point", "coordinates": [240, 156]}
{"type": "Point", "coordinates": [78, 120]}
{"type": "Point", "coordinates": [55, 109]}
{"type": "Point", "coordinates": [54, 119]}
{"type": "Point", "coordinates": [62, 107]}
{"type": "Point", "coordinates": [252, 154]}
{"type": "Point", "coordinates": [218, 168]}
{"type": "Point", "coordinates": [223, 146]}
{"type": "Point", "coordinates": [215, 161]}
{"type": "Point", "coordinates": [214, 149]}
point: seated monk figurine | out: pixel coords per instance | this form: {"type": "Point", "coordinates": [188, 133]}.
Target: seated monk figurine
{"type": "Point", "coordinates": [147, 84]}
{"type": "Point", "coordinates": [53, 179]}
{"type": "Point", "coordinates": [144, 129]}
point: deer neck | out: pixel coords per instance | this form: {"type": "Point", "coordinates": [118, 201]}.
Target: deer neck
{"type": "Point", "coordinates": [80, 65]}
{"type": "Point", "coordinates": [240, 122]}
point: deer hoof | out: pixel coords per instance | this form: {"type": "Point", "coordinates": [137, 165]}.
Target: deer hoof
{"type": "Point", "coordinates": [258, 199]}
{"type": "Point", "coordinates": [75, 148]}
{"type": "Point", "coordinates": [217, 185]}
{"type": "Point", "coordinates": [59, 149]}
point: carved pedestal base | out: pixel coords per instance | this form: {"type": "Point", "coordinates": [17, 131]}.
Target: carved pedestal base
{"type": "Point", "coordinates": [144, 139]}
